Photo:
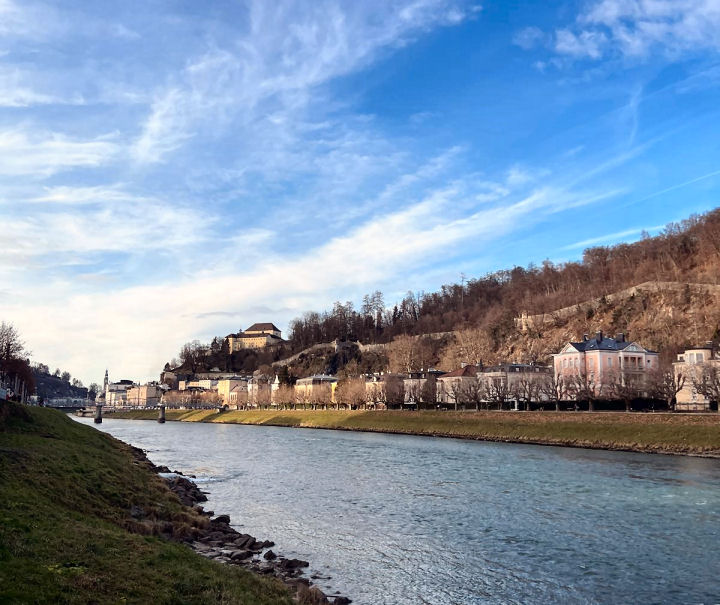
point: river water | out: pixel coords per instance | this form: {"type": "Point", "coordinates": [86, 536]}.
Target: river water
{"type": "Point", "coordinates": [408, 520]}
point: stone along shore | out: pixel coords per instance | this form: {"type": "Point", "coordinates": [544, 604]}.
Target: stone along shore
{"type": "Point", "coordinates": [220, 542]}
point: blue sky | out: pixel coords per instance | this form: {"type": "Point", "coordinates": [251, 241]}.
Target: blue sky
{"type": "Point", "coordinates": [178, 170]}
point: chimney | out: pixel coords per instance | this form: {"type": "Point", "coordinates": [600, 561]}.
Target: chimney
{"type": "Point", "coordinates": [585, 337]}
{"type": "Point", "coordinates": [620, 337]}
{"type": "Point", "coordinates": [599, 335]}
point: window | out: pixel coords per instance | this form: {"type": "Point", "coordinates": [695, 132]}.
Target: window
{"type": "Point", "coordinates": [609, 362]}
{"type": "Point", "coordinates": [699, 357]}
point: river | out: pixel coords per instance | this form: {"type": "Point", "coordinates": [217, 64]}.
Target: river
{"type": "Point", "coordinates": [407, 520]}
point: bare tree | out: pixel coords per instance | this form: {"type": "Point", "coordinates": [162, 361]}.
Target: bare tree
{"type": "Point", "coordinates": [474, 393]}
{"type": "Point", "coordinates": [285, 396]}
{"type": "Point", "coordinates": [428, 392]}
{"type": "Point", "coordinates": [394, 390]}
{"type": "Point", "coordinates": [553, 388]}
{"type": "Point", "coordinates": [351, 392]}
{"type": "Point", "coordinates": [11, 345]}
{"type": "Point", "coordinates": [322, 394]}
{"type": "Point", "coordinates": [581, 386]}
{"type": "Point", "coordinates": [623, 386]}
{"type": "Point", "coordinates": [527, 390]}
{"type": "Point", "coordinates": [708, 382]}
{"type": "Point", "coordinates": [665, 384]}
{"type": "Point", "coordinates": [402, 354]}
{"type": "Point", "coordinates": [498, 391]}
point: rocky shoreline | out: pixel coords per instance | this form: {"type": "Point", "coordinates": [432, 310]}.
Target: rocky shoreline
{"type": "Point", "coordinates": [220, 542]}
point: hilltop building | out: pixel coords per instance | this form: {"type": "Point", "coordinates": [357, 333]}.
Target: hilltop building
{"type": "Point", "coordinates": [257, 336]}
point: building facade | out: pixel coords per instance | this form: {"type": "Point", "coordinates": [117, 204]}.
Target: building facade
{"type": "Point", "coordinates": [257, 336]}
{"type": "Point", "coordinates": [689, 370]}
{"type": "Point", "coordinates": [232, 391]}
{"type": "Point", "coordinates": [315, 389]}
{"type": "Point", "coordinates": [601, 362]}
{"type": "Point", "coordinates": [458, 386]}
{"type": "Point", "coordinates": [143, 396]}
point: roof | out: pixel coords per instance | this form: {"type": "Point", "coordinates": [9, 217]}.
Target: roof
{"type": "Point", "coordinates": [605, 343]}
{"type": "Point", "coordinates": [262, 326]}
{"type": "Point", "coordinates": [246, 335]}
{"type": "Point", "coordinates": [467, 371]}
{"type": "Point", "coordinates": [517, 367]}
{"type": "Point", "coordinates": [317, 378]}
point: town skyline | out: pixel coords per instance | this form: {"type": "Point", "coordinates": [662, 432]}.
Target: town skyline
{"type": "Point", "coordinates": [267, 163]}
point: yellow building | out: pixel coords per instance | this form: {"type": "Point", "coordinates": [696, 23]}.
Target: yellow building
{"type": "Point", "coordinates": [143, 396]}
{"type": "Point", "coordinates": [257, 336]}
{"type": "Point", "coordinates": [232, 390]}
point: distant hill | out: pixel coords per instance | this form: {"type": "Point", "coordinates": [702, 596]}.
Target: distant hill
{"type": "Point", "coordinates": [49, 386]}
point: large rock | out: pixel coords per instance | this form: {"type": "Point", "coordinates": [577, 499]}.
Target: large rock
{"type": "Point", "coordinates": [287, 564]}
{"type": "Point", "coordinates": [241, 555]}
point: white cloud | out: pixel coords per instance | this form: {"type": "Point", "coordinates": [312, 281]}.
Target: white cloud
{"type": "Point", "coordinates": [44, 154]}
{"type": "Point", "coordinates": [585, 44]}
{"type": "Point", "coordinates": [82, 195]}
{"type": "Point", "coordinates": [610, 238]}
{"type": "Point", "coordinates": [18, 90]}
{"type": "Point", "coordinates": [528, 37]}
{"type": "Point", "coordinates": [636, 28]}
{"type": "Point", "coordinates": [288, 50]}
{"type": "Point", "coordinates": [376, 254]}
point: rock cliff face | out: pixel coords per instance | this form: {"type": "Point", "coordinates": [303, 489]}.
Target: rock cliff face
{"type": "Point", "coordinates": [663, 316]}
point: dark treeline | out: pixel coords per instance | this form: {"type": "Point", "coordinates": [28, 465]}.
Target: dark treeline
{"type": "Point", "coordinates": [684, 251]}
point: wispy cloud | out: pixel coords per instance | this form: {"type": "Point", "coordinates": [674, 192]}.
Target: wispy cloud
{"type": "Point", "coordinates": [289, 50]}
{"type": "Point", "coordinates": [610, 238]}
{"type": "Point", "coordinates": [377, 253]}
{"type": "Point", "coordinates": [44, 154]}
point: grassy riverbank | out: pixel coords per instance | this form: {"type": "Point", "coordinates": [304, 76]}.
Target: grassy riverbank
{"type": "Point", "coordinates": [85, 520]}
{"type": "Point", "coordinates": [662, 433]}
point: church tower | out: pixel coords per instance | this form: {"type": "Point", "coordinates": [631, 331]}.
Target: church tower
{"type": "Point", "coordinates": [105, 382]}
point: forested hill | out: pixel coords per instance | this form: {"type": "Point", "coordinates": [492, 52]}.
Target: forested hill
{"type": "Point", "coordinates": [657, 290]}
{"type": "Point", "coordinates": [688, 251]}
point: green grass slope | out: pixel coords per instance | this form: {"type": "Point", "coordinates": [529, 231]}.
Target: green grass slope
{"type": "Point", "coordinates": [84, 520]}
{"type": "Point", "coordinates": [697, 434]}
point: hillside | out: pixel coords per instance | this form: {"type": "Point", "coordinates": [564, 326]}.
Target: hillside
{"type": "Point", "coordinates": [48, 386]}
{"type": "Point", "coordinates": [662, 291]}
{"type": "Point", "coordinates": [663, 316]}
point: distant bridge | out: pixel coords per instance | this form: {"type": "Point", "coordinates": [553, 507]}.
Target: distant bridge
{"type": "Point", "coordinates": [68, 404]}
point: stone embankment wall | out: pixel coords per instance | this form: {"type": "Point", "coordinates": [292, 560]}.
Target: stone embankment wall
{"type": "Point", "coordinates": [526, 322]}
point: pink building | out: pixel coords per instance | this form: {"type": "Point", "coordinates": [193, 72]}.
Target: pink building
{"type": "Point", "coordinates": [602, 360]}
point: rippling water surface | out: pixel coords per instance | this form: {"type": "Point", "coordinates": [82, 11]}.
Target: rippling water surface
{"type": "Point", "coordinates": [406, 520]}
